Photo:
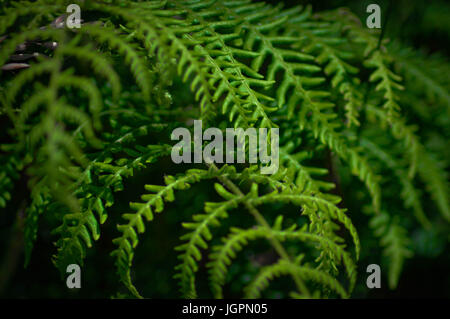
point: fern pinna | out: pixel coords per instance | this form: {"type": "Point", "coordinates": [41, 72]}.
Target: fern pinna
{"type": "Point", "coordinates": [86, 111]}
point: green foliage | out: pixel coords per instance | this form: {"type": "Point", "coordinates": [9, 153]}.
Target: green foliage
{"type": "Point", "coordinates": [395, 243]}
{"type": "Point", "coordinates": [94, 108]}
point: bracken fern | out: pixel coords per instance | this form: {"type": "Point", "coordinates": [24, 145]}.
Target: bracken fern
{"type": "Point", "coordinates": [94, 106]}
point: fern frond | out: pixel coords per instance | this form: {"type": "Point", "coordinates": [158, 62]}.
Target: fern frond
{"type": "Point", "coordinates": [357, 162]}
{"type": "Point", "coordinates": [429, 73]}
{"type": "Point", "coordinates": [155, 200]}
{"type": "Point", "coordinates": [429, 170]}
{"type": "Point", "coordinates": [388, 82]}
{"type": "Point", "coordinates": [321, 40]}
{"type": "Point", "coordinates": [95, 189]}
{"type": "Point", "coordinates": [436, 179]}
{"type": "Point", "coordinates": [281, 268]}
{"type": "Point", "coordinates": [40, 200]}
{"type": "Point", "coordinates": [410, 194]}
{"type": "Point", "coordinates": [130, 54]}
{"type": "Point", "coordinates": [304, 174]}
{"type": "Point", "coordinates": [197, 238]}
{"type": "Point", "coordinates": [99, 64]}
{"type": "Point", "coordinates": [222, 254]}
{"type": "Point", "coordinates": [214, 59]}
{"type": "Point", "coordinates": [395, 242]}
{"type": "Point", "coordinates": [312, 204]}
{"type": "Point", "coordinates": [9, 172]}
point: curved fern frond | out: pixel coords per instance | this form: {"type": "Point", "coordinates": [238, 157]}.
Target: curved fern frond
{"type": "Point", "coordinates": [238, 238]}
{"type": "Point", "coordinates": [95, 189]}
{"type": "Point", "coordinates": [153, 201]}
{"type": "Point", "coordinates": [281, 268]}
{"type": "Point", "coordinates": [197, 238]}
